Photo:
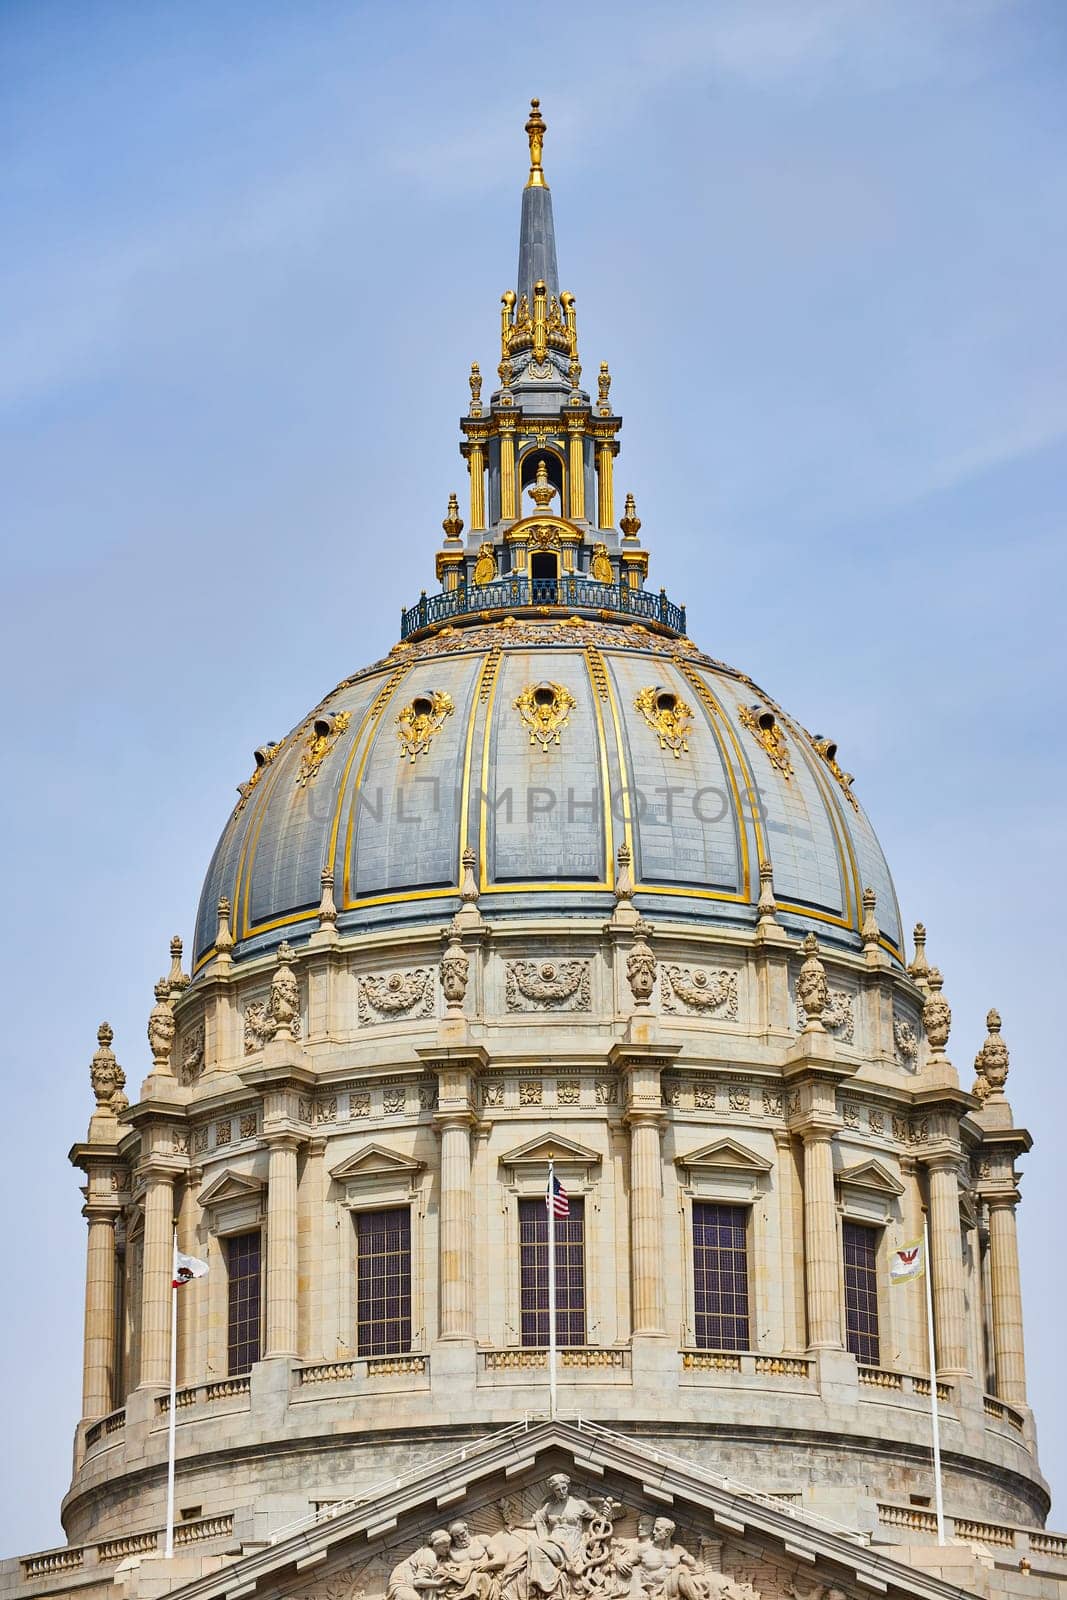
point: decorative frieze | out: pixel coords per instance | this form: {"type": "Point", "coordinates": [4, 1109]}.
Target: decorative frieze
{"type": "Point", "coordinates": [359, 1104]}
{"type": "Point", "coordinates": [547, 985]}
{"type": "Point", "coordinates": [387, 996]}
{"type": "Point", "coordinates": [191, 1064]}
{"type": "Point", "coordinates": [607, 1092]}
{"type": "Point", "coordinates": [905, 1040]}
{"type": "Point", "coordinates": [837, 1016]}
{"type": "Point", "coordinates": [699, 992]}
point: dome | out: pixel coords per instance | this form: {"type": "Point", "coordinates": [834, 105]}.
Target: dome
{"type": "Point", "coordinates": [543, 746]}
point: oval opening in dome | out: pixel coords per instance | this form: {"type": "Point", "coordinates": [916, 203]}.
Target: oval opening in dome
{"type": "Point", "coordinates": [766, 720]}
{"type": "Point", "coordinates": [421, 706]}
{"type": "Point", "coordinates": [665, 700]}
{"type": "Point", "coordinates": [544, 695]}
{"type": "Point", "coordinates": [322, 725]}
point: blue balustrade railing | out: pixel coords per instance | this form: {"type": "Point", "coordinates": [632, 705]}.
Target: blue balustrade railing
{"type": "Point", "coordinates": [572, 592]}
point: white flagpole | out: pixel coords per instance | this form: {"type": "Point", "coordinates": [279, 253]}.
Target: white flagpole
{"type": "Point", "coordinates": [550, 1200]}
{"type": "Point", "coordinates": [935, 1420]}
{"type": "Point", "coordinates": [173, 1414]}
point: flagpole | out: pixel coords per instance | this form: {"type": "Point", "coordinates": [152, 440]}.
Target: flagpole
{"type": "Point", "coordinates": [550, 1201]}
{"type": "Point", "coordinates": [935, 1420]}
{"type": "Point", "coordinates": [173, 1413]}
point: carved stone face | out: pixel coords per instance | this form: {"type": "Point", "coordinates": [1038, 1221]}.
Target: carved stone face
{"type": "Point", "coordinates": [440, 1543]}
{"type": "Point", "coordinates": [662, 1531]}
{"type": "Point", "coordinates": [559, 1486]}
{"type": "Point", "coordinates": [460, 1534]}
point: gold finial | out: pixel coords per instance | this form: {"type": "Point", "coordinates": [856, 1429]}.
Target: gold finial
{"type": "Point", "coordinates": [630, 522]}
{"type": "Point", "coordinates": [542, 492]}
{"type": "Point", "coordinates": [535, 132]}
{"type": "Point", "coordinates": [603, 385]}
{"type": "Point", "coordinates": [475, 381]}
{"type": "Point", "coordinates": [453, 523]}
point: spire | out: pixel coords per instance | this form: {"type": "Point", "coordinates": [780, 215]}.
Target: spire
{"type": "Point", "coordinates": [537, 233]}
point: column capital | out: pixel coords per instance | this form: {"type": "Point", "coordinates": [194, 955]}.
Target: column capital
{"type": "Point", "coordinates": [646, 1117]}
{"type": "Point", "coordinates": [816, 1128]}
{"type": "Point", "coordinates": [282, 1139]}
{"type": "Point", "coordinates": [457, 1117]}
{"type": "Point", "coordinates": [102, 1211]}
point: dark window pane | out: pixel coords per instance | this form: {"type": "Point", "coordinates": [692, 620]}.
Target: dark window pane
{"type": "Point", "coordinates": [244, 1300]}
{"type": "Point", "coordinates": [861, 1291]}
{"type": "Point", "coordinates": [720, 1276]}
{"type": "Point", "coordinates": [533, 1273]}
{"type": "Point", "coordinates": [383, 1282]}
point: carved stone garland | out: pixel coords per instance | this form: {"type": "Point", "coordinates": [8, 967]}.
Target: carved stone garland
{"type": "Point", "coordinates": [700, 992]}
{"type": "Point", "coordinates": [396, 994]}
{"type": "Point", "coordinates": [547, 985]}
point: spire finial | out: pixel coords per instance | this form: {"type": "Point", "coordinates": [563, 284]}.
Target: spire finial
{"type": "Point", "coordinates": [535, 132]}
{"type": "Point", "coordinates": [542, 491]}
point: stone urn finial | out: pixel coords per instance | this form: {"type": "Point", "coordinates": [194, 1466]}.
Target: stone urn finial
{"type": "Point", "coordinates": [767, 905]}
{"type": "Point", "coordinates": [327, 908]}
{"type": "Point", "coordinates": [455, 972]}
{"type": "Point", "coordinates": [870, 932]}
{"type": "Point", "coordinates": [919, 968]}
{"type": "Point", "coordinates": [937, 1014]}
{"type": "Point", "coordinates": [284, 1002]}
{"type": "Point", "coordinates": [161, 1028]}
{"type": "Point", "coordinates": [176, 978]}
{"type": "Point", "coordinates": [813, 992]}
{"type": "Point", "coordinates": [224, 938]}
{"type": "Point", "coordinates": [105, 1074]}
{"type": "Point", "coordinates": [641, 966]}
{"type": "Point", "coordinates": [991, 1062]}
{"type": "Point", "coordinates": [469, 891]}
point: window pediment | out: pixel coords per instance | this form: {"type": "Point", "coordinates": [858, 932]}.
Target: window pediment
{"type": "Point", "coordinates": [724, 1170]}
{"type": "Point", "coordinates": [376, 1176]}
{"type": "Point", "coordinates": [872, 1176]}
{"type": "Point", "coordinates": [576, 1166]}
{"type": "Point", "coordinates": [234, 1201]}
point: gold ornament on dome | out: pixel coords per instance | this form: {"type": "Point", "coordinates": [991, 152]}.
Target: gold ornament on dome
{"type": "Point", "coordinates": [669, 717]}
{"type": "Point", "coordinates": [827, 748]}
{"type": "Point", "coordinates": [600, 569]}
{"type": "Point", "coordinates": [541, 491]}
{"type": "Point", "coordinates": [263, 758]}
{"type": "Point", "coordinates": [325, 732]}
{"type": "Point", "coordinates": [485, 566]}
{"type": "Point", "coordinates": [763, 726]}
{"type": "Point", "coordinates": [418, 722]}
{"type": "Point", "coordinates": [545, 709]}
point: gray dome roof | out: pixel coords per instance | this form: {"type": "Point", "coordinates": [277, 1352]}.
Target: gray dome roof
{"type": "Point", "coordinates": [427, 752]}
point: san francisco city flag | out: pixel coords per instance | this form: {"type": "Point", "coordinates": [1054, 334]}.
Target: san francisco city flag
{"type": "Point", "coordinates": [186, 1268]}
{"type": "Point", "coordinates": [907, 1262]}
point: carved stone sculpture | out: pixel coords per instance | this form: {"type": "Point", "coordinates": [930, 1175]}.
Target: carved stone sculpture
{"type": "Point", "coordinates": [283, 1005]}
{"type": "Point", "coordinates": [327, 906]}
{"type": "Point", "coordinates": [641, 968]}
{"type": "Point", "coordinates": [105, 1074]}
{"type": "Point", "coordinates": [905, 1040]}
{"type": "Point", "coordinates": [920, 967]}
{"type": "Point", "coordinates": [937, 1013]}
{"type": "Point", "coordinates": [455, 969]}
{"type": "Point", "coordinates": [991, 1062]}
{"type": "Point", "coordinates": [396, 994]}
{"type": "Point", "coordinates": [223, 937]}
{"type": "Point", "coordinates": [812, 989]}
{"type": "Point", "coordinates": [767, 905]}
{"type": "Point", "coordinates": [870, 932]}
{"type": "Point", "coordinates": [176, 978]}
{"type": "Point", "coordinates": [703, 993]}
{"type": "Point", "coordinates": [161, 1027]}
{"type": "Point", "coordinates": [192, 1054]}
{"type": "Point", "coordinates": [547, 985]}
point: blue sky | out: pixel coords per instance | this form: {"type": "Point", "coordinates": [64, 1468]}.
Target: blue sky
{"type": "Point", "coordinates": [251, 252]}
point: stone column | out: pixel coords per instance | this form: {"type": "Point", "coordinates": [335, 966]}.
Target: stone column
{"type": "Point", "coordinates": [1007, 1300]}
{"type": "Point", "coordinates": [457, 1234]}
{"type": "Point", "coordinates": [157, 1275]}
{"type": "Point", "coordinates": [822, 1249]}
{"type": "Point", "coordinates": [646, 1219]}
{"type": "Point", "coordinates": [98, 1369]}
{"type": "Point", "coordinates": [281, 1246]}
{"type": "Point", "coordinates": [605, 483]}
{"type": "Point", "coordinates": [946, 1251]}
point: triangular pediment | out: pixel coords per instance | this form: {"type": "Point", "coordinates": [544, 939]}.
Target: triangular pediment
{"type": "Point", "coordinates": [230, 1185]}
{"type": "Point", "coordinates": [374, 1160]}
{"type": "Point", "coordinates": [724, 1155]}
{"type": "Point", "coordinates": [497, 1485]}
{"type": "Point", "coordinates": [550, 1147]}
{"type": "Point", "coordinates": [873, 1176]}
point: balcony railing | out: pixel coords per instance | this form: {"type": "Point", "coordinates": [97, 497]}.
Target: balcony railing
{"type": "Point", "coordinates": [569, 593]}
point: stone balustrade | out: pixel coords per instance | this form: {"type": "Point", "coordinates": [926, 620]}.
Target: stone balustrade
{"type": "Point", "coordinates": [747, 1364]}
{"type": "Point", "coordinates": [106, 1428]}
{"type": "Point", "coordinates": [199, 1394]}
{"type": "Point", "coordinates": [1042, 1549]}
{"type": "Point", "coordinates": [83, 1558]}
{"type": "Point", "coordinates": [398, 1366]}
{"type": "Point", "coordinates": [999, 1411]}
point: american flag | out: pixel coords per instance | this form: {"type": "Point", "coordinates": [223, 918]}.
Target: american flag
{"type": "Point", "coordinates": [556, 1198]}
